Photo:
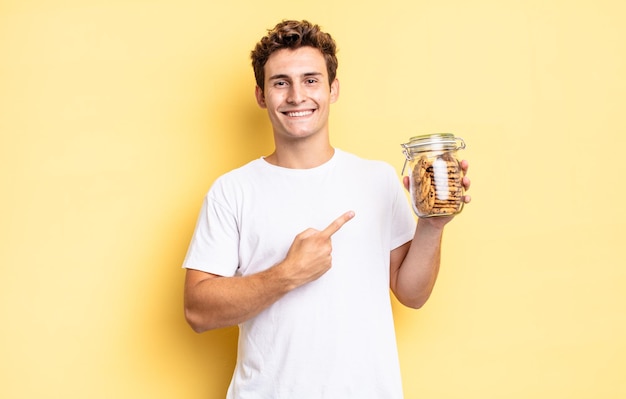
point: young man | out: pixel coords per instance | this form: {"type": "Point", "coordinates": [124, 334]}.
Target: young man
{"type": "Point", "coordinates": [299, 248]}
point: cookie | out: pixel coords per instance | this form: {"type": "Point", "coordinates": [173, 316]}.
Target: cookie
{"type": "Point", "coordinates": [436, 186]}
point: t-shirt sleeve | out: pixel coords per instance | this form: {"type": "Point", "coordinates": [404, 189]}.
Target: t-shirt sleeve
{"type": "Point", "coordinates": [403, 220]}
{"type": "Point", "coordinates": [214, 244]}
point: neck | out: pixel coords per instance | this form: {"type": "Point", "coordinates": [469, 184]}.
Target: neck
{"type": "Point", "coordinates": [301, 157]}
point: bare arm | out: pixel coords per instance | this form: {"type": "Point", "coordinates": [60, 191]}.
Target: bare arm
{"type": "Point", "coordinates": [213, 301]}
{"type": "Point", "coordinates": [415, 265]}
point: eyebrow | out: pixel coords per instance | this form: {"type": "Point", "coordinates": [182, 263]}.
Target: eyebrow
{"type": "Point", "coordinates": [283, 76]}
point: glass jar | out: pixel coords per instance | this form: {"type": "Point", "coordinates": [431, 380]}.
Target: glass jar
{"type": "Point", "coordinates": [435, 174]}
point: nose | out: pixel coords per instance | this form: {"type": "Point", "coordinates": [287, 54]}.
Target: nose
{"type": "Point", "coordinates": [296, 95]}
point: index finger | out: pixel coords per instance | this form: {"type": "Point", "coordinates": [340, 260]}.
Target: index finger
{"type": "Point", "coordinates": [464, 165]}
{"type": "Point", "coordinates": [338, 223]}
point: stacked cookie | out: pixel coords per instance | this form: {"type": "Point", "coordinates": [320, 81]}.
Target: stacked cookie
{"type": "Point", "coordinates": [436, 185]}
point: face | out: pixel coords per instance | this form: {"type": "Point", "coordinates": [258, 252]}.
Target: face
{"type": "Point", "coordinates": [297, 93]}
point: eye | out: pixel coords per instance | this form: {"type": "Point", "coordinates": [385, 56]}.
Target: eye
{"type": "Point", "coordinates": [280, 83]}
{"type": "Point", "coordinates": [311, 81]}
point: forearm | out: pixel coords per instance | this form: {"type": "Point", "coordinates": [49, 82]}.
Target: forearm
{"type": "Point", "coordinates": [417, 273]}
{"type": "Point", "coordinates": [215, 301]}
{"type": "Point", "coordinates": [212, 301]}
{"type": "Point", "coordinates": [414, 268]}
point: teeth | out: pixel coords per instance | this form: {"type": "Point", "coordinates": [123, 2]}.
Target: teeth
{"type": "Point", "coordinates": [299, 113]}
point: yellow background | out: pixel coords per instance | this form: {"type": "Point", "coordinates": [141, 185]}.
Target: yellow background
{"type": "Point", "coordinates": [116, 116]}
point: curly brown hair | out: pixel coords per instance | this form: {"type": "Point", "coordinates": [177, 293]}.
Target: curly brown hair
{"type": "Point", "coordinates": [293, 34]}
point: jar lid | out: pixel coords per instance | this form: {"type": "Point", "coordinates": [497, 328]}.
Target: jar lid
{"type": "Point", "coordinates": [447, 140]}
{"type": "Point", "coordinates": [430, 142]}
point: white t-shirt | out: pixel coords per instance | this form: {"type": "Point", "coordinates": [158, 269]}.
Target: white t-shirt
{"type": "Point", "coordinates": [334, 337]}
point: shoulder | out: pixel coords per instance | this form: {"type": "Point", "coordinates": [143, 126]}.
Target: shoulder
{"type": "Point", "coordinates": [244, 172]}
{"type": "Point", "coordinates": [234, 182]}
{"type": "Point", "coordinates": [372, 167]}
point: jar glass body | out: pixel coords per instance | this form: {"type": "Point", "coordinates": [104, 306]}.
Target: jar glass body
{"type": "Point", "coordinates": [435, 174]}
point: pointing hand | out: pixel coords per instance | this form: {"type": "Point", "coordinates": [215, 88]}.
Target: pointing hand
{"type": "Point", "coordinates": [309, 256]}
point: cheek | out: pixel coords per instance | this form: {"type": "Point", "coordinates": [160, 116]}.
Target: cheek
{"type": "Point", "coordinates": [273, 98]}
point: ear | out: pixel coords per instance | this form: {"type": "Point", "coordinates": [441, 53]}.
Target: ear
{"type": "Point", "coordinates": [260, 97]}
{"type": "Point", "coordinates": [334, 91]}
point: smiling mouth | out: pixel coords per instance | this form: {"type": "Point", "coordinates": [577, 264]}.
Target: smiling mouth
{"type": "Point", "coordinates": [299, 113]}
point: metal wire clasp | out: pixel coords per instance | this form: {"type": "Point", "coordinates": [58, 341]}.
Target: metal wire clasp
{"type": "Point", "coordinates": [407, 157]}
